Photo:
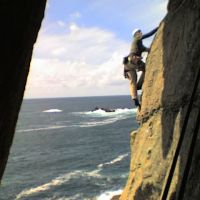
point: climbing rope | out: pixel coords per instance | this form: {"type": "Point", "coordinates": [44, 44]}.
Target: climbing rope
{"type": "Point", "coordinates": [181, 138]}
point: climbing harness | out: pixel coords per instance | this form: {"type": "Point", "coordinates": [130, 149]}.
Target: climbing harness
{"type": "Point", "coordinates": [180, 142]}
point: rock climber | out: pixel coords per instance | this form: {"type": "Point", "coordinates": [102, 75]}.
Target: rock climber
{"type": "Point", "coordinates": [133, 62]}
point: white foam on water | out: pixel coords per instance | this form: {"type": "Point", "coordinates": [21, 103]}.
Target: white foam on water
{"type": "Point", "coordinates": [94, 173]}
{"type": "Point", "coordinates": [118, 111]}
{"type": "Point", "coordinates": [125, 110]}
{"type": "Point", "coordinates": [98, 123]}
{"type": "Point", "coordinates": [41, 129]}
{"type": "Point", "coordinates": [81, 125]}
{"type": "Point", "coordinates": [52, 110]}
{"type": "Point", "coordinates": [116, 160]}
{"type": "Point", "coordinates": [54, 182]}
{"type": "Point", "coordinates": [109, 117]}
{"type": "Point", "coordinates": [54, 197]}
{"type": "Point", "coordinates": [109, 194]}
{"type": "Point", "coordinates": [57, 182]}
{"type": "Point", "coordinates": [75, 197]}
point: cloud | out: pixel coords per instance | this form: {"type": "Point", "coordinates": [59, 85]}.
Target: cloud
{"type": "Point", "coordinates": [61, 23]}
{"type": "Point", "coordinates": [80, 59]}
{"type": "Point", "coordinates": [75, 15]}
{"type": "Point", "coordinates": [74, 60]}
{"type": "Point", "coordinates": [73, 27]}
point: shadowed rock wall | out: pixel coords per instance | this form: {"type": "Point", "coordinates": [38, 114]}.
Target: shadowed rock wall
{"type": "Point", "coordinates": [171, 70]}
{"type": "Point", "coordinates": [20, 22]}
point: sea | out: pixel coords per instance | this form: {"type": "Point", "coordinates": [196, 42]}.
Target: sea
{"type": "Point", "coordinates": [63, 149]}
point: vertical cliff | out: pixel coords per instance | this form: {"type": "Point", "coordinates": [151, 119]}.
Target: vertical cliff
{"type": "Point", "coordinates": [20, 22]}
{"type": "Point", "coordinates": [171, 71]}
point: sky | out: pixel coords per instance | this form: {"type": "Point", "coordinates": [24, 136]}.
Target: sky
{"type": "Point", "coordinates": [81, 45]}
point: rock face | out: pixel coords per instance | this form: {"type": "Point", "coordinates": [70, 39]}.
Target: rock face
{"type": "Point", "coordinates": [20, 23]}
{"type": "Point", "coordinates": [171, 71]}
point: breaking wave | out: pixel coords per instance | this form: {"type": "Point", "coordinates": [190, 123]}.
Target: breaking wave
{"type": "Point", "coordinates": [75, 197]}
{"type": "Point", "coordinates": [99, 123]}
{"type": "Point", "coordinates": [109, 194]}
{"type": "Point", "coordinates": [116, 160]}
{"type": "Point", "coordinates": [57, 182]}
{"type": "Point", "coordinates": [41, 129]}
{"type": "Point", "coordinates": [109, 117]}
{"type": "Point", "coordinates": [52, 111]}
{"type": "Point", "coordinates": [85, 124]}
{"type": "Point", "coordinates": [118, 111]}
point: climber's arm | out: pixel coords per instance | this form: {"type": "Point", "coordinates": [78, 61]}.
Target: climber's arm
{"type": "Point", "coordinates": [149, 34]}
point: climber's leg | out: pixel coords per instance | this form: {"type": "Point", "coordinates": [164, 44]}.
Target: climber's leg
{"type": "Point", "coordinates": [141, 67]}
{"type": "Point", "coordinates": [132, 76]}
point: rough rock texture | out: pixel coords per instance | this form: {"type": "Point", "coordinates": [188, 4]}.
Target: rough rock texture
{"type": "Point", "coordinates": [20, 22]}
{"type": "Point", "coordinates": [116, 197]}
{"type": "Point", "coordinates": [172, 66]}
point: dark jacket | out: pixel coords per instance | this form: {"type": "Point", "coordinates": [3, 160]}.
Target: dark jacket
{"type": "Point", "coordinates": [137, 46]}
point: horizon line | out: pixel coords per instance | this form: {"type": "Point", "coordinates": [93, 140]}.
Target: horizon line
{"type": "Point", "coordinates": [62, 97]}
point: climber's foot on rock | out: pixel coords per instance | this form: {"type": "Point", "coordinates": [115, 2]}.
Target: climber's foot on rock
{"type": "Point", "coordinates": [137, 104]}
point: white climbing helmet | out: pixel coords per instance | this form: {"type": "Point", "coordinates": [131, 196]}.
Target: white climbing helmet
{"type": "Point", "coordinates": [135, 31]}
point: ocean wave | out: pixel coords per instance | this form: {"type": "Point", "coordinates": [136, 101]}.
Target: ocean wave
{"type": "Point", "coordinates": [52, 110]}
{"type": "Point", "coordinates": [94, 173]}
{"type": "Point", "coordinates": [75, 197]}
{"type": "Point", "coordinates": [41, 129]}
{"type": "Point", "coordinates": [86, 124]}
{"type": "Point", "coordinates": [98, 123]}
{"type": "Point", "coordinates": [118, 111]}
{"type": "Point", "coordinates": [94, 118]}
{"type": "Point", "coordinates": [109, 194]}
{"type": "Point", "coordinates": [57, 182]}
{"type": "Point", "coordinates": [116, 160]}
